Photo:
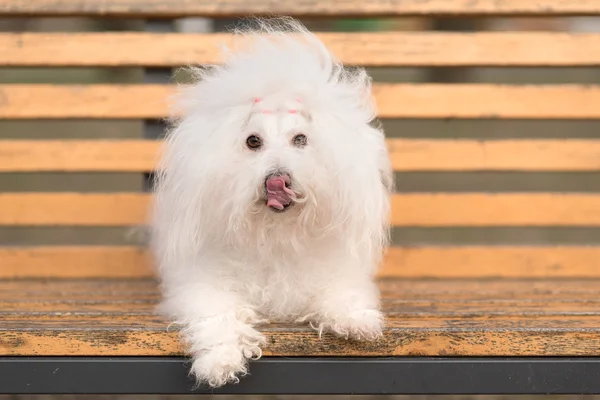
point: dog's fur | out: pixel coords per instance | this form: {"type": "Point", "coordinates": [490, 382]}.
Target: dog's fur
{"type": "Point", "coordinates": [226, 260]}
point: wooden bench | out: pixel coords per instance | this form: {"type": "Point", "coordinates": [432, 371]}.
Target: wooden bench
{"type": "Point", "coordinates": [483, 315]}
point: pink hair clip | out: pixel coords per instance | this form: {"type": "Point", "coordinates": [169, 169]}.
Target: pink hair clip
{"type": "Point", "coordinates": [293, 111]}
{"type": "Point", "coordinates": [257, 99]}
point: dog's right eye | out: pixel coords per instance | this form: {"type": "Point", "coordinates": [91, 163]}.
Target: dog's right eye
{"type": "Point", "coordinates": [253, 142]}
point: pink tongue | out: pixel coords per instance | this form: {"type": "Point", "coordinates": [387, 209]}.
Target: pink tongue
{"type": "Point", "coordinates": [278, 195]}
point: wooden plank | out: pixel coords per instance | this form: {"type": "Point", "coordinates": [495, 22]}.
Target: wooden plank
{"type": "Point", "coordinates": [494, 155]}
{"type": "Point", "coordinates": [70, 287]}
{"type": "Point", "coordinates": [83, 101]}
{"type": "Point", "coordinates": [356, 8]}
{"type": "Point", "coordinates": [393, 100]}
{"type": "Point", "coordinates": [487, 101]}
{"type": "Point", "coordinates": [76, 320]}
{"type": "Point", "coordinates": [80, 307]}
{"type": "Point", "coordinates": [447, 289]}
{"type": "Point", "coordinates": [370, 49]}
{"type": "Point", "coordinates": [35, 321]}
{"type": "Point", "coordinates": [500, 336]}
{"type": "Point", "coordinates": [73, 209]}
{"type": "Point", "coordinates": [496, 261]}
{"type": "Point", "coordinates": [458, 262]}
{"type": "Point", "coordinates": [396, 308]}
{"type": "Point", "coordinates": [75, 262]}
{"type": "Point", "coordinates": [407, 308]}
{"type": "Point", "coordinates": [79, 155]}
{"type": "Point", "coordinates": [470, 288]}
{"type": "Point", "coordinates": [405, 154]}
{"type": "Point", "coordinates": [425, 210]}
{"type": "Point", "coordinates": [479, 209]}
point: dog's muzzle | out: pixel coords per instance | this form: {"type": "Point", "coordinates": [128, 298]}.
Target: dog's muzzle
{"type": "Point", "coordinates": [279, 195]}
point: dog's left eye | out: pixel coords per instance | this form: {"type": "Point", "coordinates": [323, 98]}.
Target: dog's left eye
{"type": "Point", "coordinates": [299, 140]}
{"type": "Point", "coordinates": [253, 142]}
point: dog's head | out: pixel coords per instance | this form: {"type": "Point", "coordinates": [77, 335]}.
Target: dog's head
{"type": "Point", "coordinates": [278, 135]}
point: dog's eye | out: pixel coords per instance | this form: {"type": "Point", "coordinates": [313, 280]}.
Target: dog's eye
{"type": "Point", "coordinates": [299, 140]}
{"type": "Point", "coordinates": [253, 142]}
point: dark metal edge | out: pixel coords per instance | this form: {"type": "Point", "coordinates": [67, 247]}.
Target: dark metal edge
{"type": "Point", "coordinates": [275, 375]}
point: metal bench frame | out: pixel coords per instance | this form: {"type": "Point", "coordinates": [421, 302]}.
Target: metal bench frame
{"type": "Point", "coordinates": [278, 375]}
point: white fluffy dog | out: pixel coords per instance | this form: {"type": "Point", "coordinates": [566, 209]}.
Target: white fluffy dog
{"type": "Point", "coordinates": [272, 202]}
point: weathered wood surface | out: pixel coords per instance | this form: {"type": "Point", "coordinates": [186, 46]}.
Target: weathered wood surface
{"type": "Point", "coordinates": [425, 318]}
{"type": "Point", "coordinates": [419, 209]}
{"type": "Point", "coordinates": [435, 101]}
{"type": "Point", "coordinates": [356, 8]}
{"type": "Point", "coordinates": [405, 155]}
{"type": "Point", "coordinates": [369, 49]}
{"type": "Point", "coordinates": [432, 262]}
{"type": "Point", "coordinates": [392, 288]}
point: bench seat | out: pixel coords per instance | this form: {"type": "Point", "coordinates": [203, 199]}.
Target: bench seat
{"type": "Point", "coordinates": [426, 317]}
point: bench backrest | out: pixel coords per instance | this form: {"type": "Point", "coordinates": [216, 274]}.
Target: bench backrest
{"type": "Point", "coordinates": [494, 180]}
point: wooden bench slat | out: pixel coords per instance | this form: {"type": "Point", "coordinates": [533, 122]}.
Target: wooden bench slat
{"type": "Point", "coordinates": [393, 100]}
{"type": "Point", "coordinates": [458, 262]}
{"type": "Point", "coordinates": [456, 288]}
{"type": "Point", "coordinates": [493, 261]}
{"type": "Point", "coordinates": [76, 209]}
{"type": "Point", "coordinates": [476, 327]}
{"type": "Point", "coordinates": [482, 209]}
{"type": "Point", "coordinates": [149, 322]}
{"type": "Point", "coordinates": [405, 154]}
{"type": "Point", "coordinates": [393, 307]}
{"type": "Point", "coordinates": [75, 287]}
{"type": "Point", "coordinates": [407, 288]}
{"type": "Point", "coordinates": [78, 320]}
{"type": "Point", "coordinates": [75, 262]}
{"type": "Point", "coordinates": [494, 155]}
{"type": "Point", "coordinates": [507, 288]}
{"type": "Point", "coordinates": [453, 288]}
{"type": "Point", "coordinates": [356, 8]}
{"type": "Point", "coordinates": [78, 155]}
{"type": "Point", "coordinates": [421, 209]}
{"type": "Point", "coordinates": [370, 49]}
{"type": "Point", "coordinates": [491, 338]}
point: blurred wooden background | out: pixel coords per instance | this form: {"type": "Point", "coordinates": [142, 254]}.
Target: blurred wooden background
{"type": "Point", "coordinates": [407, 182]}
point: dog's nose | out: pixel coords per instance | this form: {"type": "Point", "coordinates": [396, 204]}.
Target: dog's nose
{"type": "Point", "coordinates": [279, 175]}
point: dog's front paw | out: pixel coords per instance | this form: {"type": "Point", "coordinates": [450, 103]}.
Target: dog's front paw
{"type": "Point", "coordinates": [220, 365]}
{"type": "Point", "coordinates": [226, 363]}
{"type": "Point", "coordinates": [358, 325]}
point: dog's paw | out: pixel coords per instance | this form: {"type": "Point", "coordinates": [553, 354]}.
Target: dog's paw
{"type": "Point", "coordinates": [250, 344]}
{"type": "Point", "coordinates": [357, 325]}
{"type": "Point", "coordinates": [220, 365]}
{"type": "Point", "coordinates": [226, 363]}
